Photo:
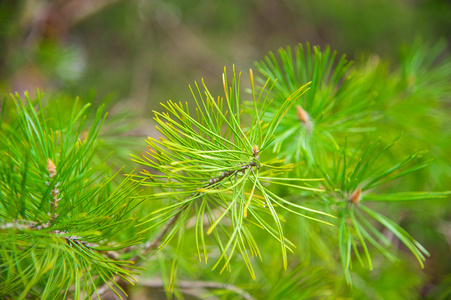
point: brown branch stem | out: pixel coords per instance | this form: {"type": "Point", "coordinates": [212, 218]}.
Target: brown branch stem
{"type": "Point", "coordinates": [198, 284]}
{"type": "Point", "coordinates": [149, 246]}
{"type": "Point", "coordinates": [152, 245]}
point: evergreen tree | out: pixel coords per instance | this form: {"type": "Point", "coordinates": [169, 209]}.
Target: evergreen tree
{"type": "Point", "coordinates": [293, 187]}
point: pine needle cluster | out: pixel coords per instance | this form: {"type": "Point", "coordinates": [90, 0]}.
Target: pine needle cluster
{"type": "Point", "coordinates": [297, 182]}
{"type": "Point", "coordinates": [61, 217]}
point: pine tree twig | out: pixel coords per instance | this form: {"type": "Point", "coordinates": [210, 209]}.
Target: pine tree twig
{"type": "Point", "coordinates": [33, 226]}
{"type": "Point", "coordinates": [152, 245]}
{"type": "Point", "coordinates": [227, 174]}
{"type": "Point", "coordinates": [242, 168]}
{"type": "Point", "coordinates": [51, 168]}
{"type": "Point", "coordinates": [149, 246]}
{"type": "Point", "coordinates": [198, 284]}
{"type": "Point", "coordinates": [15, 225]}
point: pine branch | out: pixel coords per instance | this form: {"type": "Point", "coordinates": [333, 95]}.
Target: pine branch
{"type": "Point", "coordinates": [149, 247]}
{"type": "Point", "coordinates": [350, 183]}
{"type": "Point", "coordinates": [215, 180]}
{"type": "Point", "coordinates": [51, 168]}
{"type": "Point", "coordinates": [336, 104]}
{"type": "Point", "coordinates": [195, 149]}
{"type": "Point", "coordinates": [58, 209]}
{"type": "Point", "coordinates": [61, 234]}
{"type": "Point", "coordinates": [153, 245]}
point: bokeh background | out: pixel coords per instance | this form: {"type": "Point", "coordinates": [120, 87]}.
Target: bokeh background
{"type": "Point", "coordinates": [136, 54]}
{"type": "Point", "coordinates": [143, 52]}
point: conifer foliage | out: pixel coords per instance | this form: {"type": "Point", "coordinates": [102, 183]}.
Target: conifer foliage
{"type": "Point", "coordinates": [214, 166]}
{"type": "Point", "coordinates": [61, 217]}
{"type": "Point", "coordinates": [312, 156]}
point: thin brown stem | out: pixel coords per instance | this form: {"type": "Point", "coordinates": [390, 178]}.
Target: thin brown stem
{"type": "Point", "coordinates": [150, 246]}
{"type": "Point", "coordinates": [198, 284]}
{"type": "Point", "coordinates": [51, 168]}
{"type": "Point", "coordinates": [153, 245]}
